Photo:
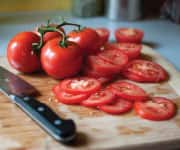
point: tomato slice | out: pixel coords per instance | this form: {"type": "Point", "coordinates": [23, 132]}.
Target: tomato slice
{"type": "Point", "coordinates": [99, 98]}
{"type": "Point", "coordinates": [68, 98]}
{"type": "Point", "coordinates": [101, 66]}
{"type": "Point", "coordinates": [104, 34]}
{"type": "Point", "coordinates": [118, 106]}
{"type": "Point", "coordinates": [128, 35]}
{"type": "Point", "coordinates": [159, 108]}
{"type": "Point", "coordinates": [129, 91]}
{"type": "Point", "coordinates": [115, 57]}
{"type": "Point", "coordinates": [132, 50]}
{"type": "Point", "coordinates": [82, 85]}
{"type": "Point", "coordinates": [148, 71]}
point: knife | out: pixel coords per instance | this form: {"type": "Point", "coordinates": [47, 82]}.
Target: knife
{"type": "Point", "coordinates": [19, 92]}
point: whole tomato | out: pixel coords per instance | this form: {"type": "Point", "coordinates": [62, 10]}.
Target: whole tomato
{"type": "Point", "coordinates": [87, 39]}
{"type": "Point", "coordinates": [20, 53]}
{"type": "Point", "coordinates": [61, 61]}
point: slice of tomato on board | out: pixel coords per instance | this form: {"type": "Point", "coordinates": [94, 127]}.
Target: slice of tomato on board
{"type": "Point", "coordinates": [104, 34]}
{"type": "Point", "coordinates": [118, 106]}
{"type": "Point", "coordinates": [81, 85]}
{"type": "Point", "coordinates": [68, 98]}
{"type": "Point", "coordinates": [132, 50]}
{"type": "Point", "coordinates": [129, 35]}
{"type": "Point", "coordinates": [148, 71]}
{"type": "Point", "coordinates": [157, 109]}
{"type": "Point", "coordinates": [99, 98]}
{"type": "Point", "coordinates": [101, 66]}
{"type": "Point", "coordinates": [115, 57]}
{"type": "Point", "coordinates": [129, 91]}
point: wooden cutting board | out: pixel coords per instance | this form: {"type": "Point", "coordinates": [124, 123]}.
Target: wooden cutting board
{"type": "Point", "coordinates": [96, 130]}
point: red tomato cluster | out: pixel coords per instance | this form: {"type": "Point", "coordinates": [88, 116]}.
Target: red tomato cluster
{"type": "Point", "coordinates": [86, 52]}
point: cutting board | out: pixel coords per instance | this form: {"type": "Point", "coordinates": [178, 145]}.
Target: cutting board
{"type": "Point", "coordinates": [96, 130]}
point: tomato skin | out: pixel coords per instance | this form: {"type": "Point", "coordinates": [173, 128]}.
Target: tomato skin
{"type": "Point", "coordinates": [60, 62]}
{"type": "Point", "coordinates": [68, 98]}
{"type": "Point", "coordinates": [159, 108]}
{"type": "Point", "coordinates": [87, 39]}
{"type": "Point", "coordinates": [104, 35]}
{"type": "Point", "coordinates": [81, 85]}
{"type": "Point", "coordinates": [132, 50]}
{"type": "Point", "coordinates": [122, 37]}
{"type": "Point", "coordinates": [101, 97]}
{"type": "Point", "coordinates": [20, 52]}
{"type": "Point", "coordinates": [147, 71]}
{"type": "Point", "coordinates": [118, 106]}
{"type": "Point", "coordinates": [128, 91]}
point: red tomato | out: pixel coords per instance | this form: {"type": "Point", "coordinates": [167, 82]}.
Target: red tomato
{"type": "Point", "coordinates": [102, 67]}
{"type": "Point", "coordinates": [68, 98]}
{"type": "Point", "coordinates": [60, 62]}
{"type": "Point", "coordinates": [146, 70]}
{"type": "Point", "coordinates": [82, 85]}
{"type": "Point", "coordinates": [118, 106]}
{"type": "Point", "coordinates": [99, 98]}
{"type": "Point", "coordinates": [128, 35]}
{"type": "Point", "coordinates": [104, 35]}
{"type": "Point", "coordinates": [132, 50]}
{"type": "Point", "coordinates": [20, 53]}
{"type": "Point", "coordinates": [115, 57]}
{"type": "Point", "coordinates": [157, 109]}
{"type": "Point", "coordinates": [128, 91]}
{"type": "Point", "coordinates": [50, 35]}
{"type": "Point", "coordinates": [87, 39]}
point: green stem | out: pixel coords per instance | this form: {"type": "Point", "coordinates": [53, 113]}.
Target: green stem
{"type": "Point", "coordinates": [70, 24]}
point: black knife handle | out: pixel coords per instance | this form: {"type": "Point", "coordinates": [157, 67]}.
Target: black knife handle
{"type": "Point", "coordinates": [62, 130]}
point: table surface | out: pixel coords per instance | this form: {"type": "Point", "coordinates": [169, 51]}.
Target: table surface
{"type": "Point", "coordinates": [162, 35]}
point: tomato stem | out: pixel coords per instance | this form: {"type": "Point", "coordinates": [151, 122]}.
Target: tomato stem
{"type": "Point", "coordinates": [70, 24]}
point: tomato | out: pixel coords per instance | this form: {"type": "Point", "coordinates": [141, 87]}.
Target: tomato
{"type": "Point", "coordinates": [68, 98]}
{"type": "Point", "coordinates": [128, 91]}
{"type": "Point", "coordinates": [50, 35]}
{"type": "Point", "coordinates": [61, 62]}
{"type": "Point", "coordinates": [146, 70]}
{"type": "Point", "coordinates": [87, 39]}
{"type": "Point", "coordinates": [82, 85]}
{"type": "Point", "coordinates": [104, 35]}
{"type": "Point", "coordinates": [157, 109]}
{"type": "Point", "coordinates": [99, 98]}
{"type": "Point", "coordinates": [115, 57]}
{"type": "Point", "coordinates": [128, 35]}
{"type": "Point", "coordinates": [20, 53]}
{"type": "Point", "coordinates": [132, 50]}
{"type": "Point", "coordinates": [118, 106]}
{"type": "Point", "coordinates": [102, 67]}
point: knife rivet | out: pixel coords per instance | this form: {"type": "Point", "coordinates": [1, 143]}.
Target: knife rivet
{"type": "Point", "coordinates": [57, 122]}
{"type": "Point", "coordinates": [26, 98]}
{"type": "Point", "coordinates": [40, 108]}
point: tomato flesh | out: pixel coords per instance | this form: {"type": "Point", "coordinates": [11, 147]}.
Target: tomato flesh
{"type": "Point", "coordinates": [68, 98]}
{"type": "Point", "coordinates": [99, 98]}
{"type": "Point", "coordinates": [118, 106]}
{"type": "Point", "coordinates": [115, 57]}
{"type": "Point", "coordinates": [128, 35]}
{"type": "Point", "coordinates": [148, 71]}
{"type": "Point", "coordinates": [129, 91]}
{"type": "Point", "coordinates": [82, 85]}
{"type": "Point", "coordinates": [104, 35]}
{"type": "Point", "coordinates": [157, 109]}
{"type": "Point", "coordinates": [132, 50]}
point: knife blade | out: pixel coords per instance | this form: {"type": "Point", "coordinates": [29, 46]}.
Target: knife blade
{"type": "Point", "coordinates": [19, 92]}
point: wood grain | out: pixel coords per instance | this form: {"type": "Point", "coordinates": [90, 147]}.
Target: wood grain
{"type": "Point", "coordinates": [96, 130]}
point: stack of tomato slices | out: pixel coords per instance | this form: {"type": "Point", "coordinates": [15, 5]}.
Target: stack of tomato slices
{"type": "Point", "coordinates": [117, 98]}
